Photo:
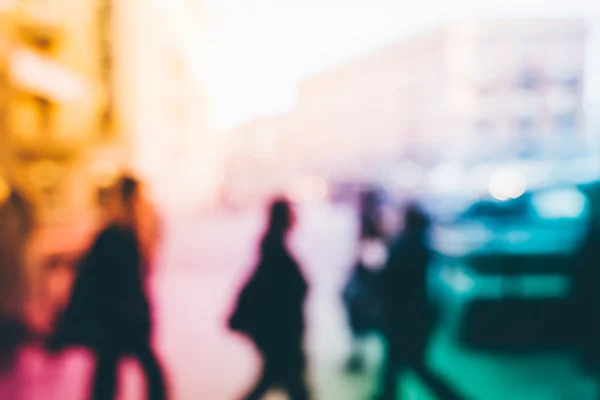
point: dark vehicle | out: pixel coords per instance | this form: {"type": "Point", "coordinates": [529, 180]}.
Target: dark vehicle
{"type": "Point", "coordinates": [523, 232]}
{"type": "Point", "coordinates": [511, 262]}
{"type": "Point", "coordinates": [592, 191]}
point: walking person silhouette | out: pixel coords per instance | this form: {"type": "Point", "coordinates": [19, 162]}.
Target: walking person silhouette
{"type": "Point", "coordinates": [269, 310]}
{"type": "Point", "coordinates": [360, 293]}
{"type": "Point", "coordinates": [109, 309]}
{"type": "Point", "coordinates": [409, 316]}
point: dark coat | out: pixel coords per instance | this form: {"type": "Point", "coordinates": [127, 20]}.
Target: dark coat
{"type": "Point", "coordinates": [369, 226]}
{"type": "Point", "coordinates": [108, 304]}
{"type": "Point", "coordinates": [360, 294]}
{"type": "Point", "coordinates": [408, 313]}
{"type": "Point", "coordinates": [270, 307]}
{"type": "Point", "coordinates": [361, 297]}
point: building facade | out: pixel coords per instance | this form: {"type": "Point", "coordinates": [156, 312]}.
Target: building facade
{"type": "Point", "coordinates": [466, 90]}
{"type": "Point", "coordinates": [255, 167]}
{"type": "Point", "coordinates": [163, 109]}
{"type": "Point", "coordinates": [56, 101]}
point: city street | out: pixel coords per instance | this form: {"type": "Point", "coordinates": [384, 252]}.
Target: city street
{"type": "Point", "coordinates": [203, 263]}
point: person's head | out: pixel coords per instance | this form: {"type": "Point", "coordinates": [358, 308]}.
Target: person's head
{"type": "Point", "coordinates": [368, 201]}
{"type": "Point", "coordinates": [127, 199]}
{"type": "Point", "coordinates": [281, 217]}
{"type": "Point", "coordinates": [415, 219]}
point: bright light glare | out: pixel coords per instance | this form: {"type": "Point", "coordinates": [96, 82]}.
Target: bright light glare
{"type": "Point", "coordinates": [507, 184]}
{"type": "Point", "coordinates": [560, 204]}
{"type": "Point", "coordinates": [46, 77]}
{"type": "Point", "coordinates": [308, 189]}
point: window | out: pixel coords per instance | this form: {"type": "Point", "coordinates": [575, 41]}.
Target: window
{"type": "Point", "coordinates": [566, 122]}
{"type": "Point", "coordinates": [525, 125]}
{"type": "Point", "coordinates": [525, 136]}
{"type": "Point", "coordinates": [528, 79]}
{"type": "Point", "coordinates": [484, 128]}
{"type": "Point", "coordinates": [572, 81]}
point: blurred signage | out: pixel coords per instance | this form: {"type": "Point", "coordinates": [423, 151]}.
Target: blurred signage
{"type": "Point", "coordinates": [43, 76]}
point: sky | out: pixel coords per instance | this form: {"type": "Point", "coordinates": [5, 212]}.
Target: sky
{"type": "Point", "coordinates": [257, 51]}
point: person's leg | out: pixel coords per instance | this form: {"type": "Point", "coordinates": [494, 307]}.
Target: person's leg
{"type": "Point", "coordinates": [442, 389]}
{"type": "Point", "coordinates": [392, 366]}
{"type": "Point", "coordinates": [13, 382]}
{"type": "Point", "coordinates": [105, 381]}
{"type": "Point", "coordinates": [356, 360]}
{"type": "Point", "coordinates": [155, 378]}
{"type": "Point", "coordinates": [295, 385]}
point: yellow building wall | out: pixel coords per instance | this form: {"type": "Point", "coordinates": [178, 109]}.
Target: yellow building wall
{"type": "Point", "coordinates": [57, 153]}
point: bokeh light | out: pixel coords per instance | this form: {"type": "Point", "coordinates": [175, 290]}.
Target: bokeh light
{"type": "Point", "coordinates": [507, 184]}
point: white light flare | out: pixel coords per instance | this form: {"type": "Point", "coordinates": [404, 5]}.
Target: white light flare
{"type": "Point", "coordinates": [506, 184]}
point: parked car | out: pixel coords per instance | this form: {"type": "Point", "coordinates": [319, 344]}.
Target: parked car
{"type": "Point", "coordinates": [509, 266]}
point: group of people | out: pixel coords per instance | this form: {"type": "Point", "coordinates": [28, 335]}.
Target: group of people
{"type": "Point", "coordinates": [110, 311]}
{"type": "Point", "coordinates": [386, 292]}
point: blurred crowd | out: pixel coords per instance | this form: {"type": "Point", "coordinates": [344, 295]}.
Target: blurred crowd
{"type": "Point", "coordinates": [108, 309]}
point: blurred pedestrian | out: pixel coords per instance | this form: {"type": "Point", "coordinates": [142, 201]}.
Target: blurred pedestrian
{"type": "Point", "coordinates": [409, 316]}
{"type": "Point", "coordinates": [16, 222]}
{"type": "Point", "coordinates": [109, 309]}
{"type": "Point", "coordinates": [361, 292]}
{"type": "Point", "coordinates": [270, 311]}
